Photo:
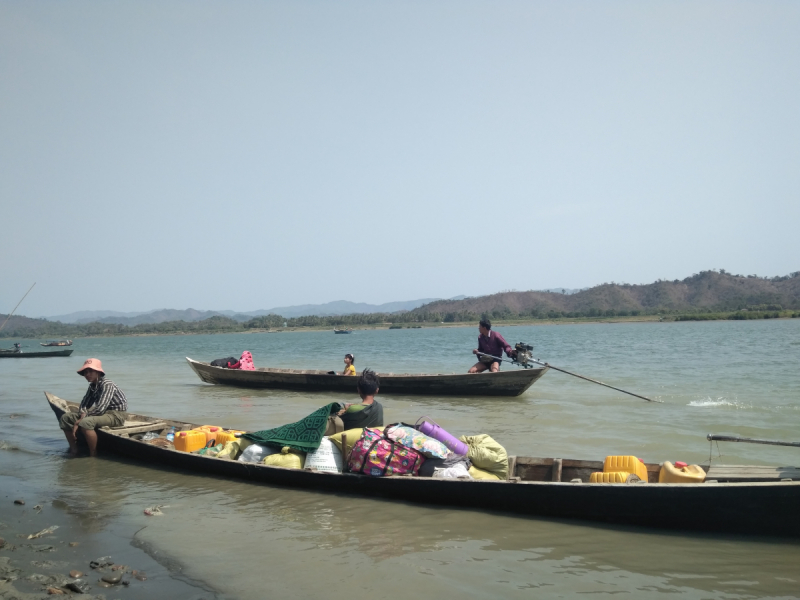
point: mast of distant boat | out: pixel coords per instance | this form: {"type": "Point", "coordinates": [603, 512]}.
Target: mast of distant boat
{"type": "Point", "coordinates": [16, 307]}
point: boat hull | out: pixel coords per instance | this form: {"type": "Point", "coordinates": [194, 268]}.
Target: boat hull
{"type": "Point", "coordinates": [752, 508]}
{"type": "Point", "coordinates": [35, 354]}
{"type": "Point", "coordinates": [504, 383]}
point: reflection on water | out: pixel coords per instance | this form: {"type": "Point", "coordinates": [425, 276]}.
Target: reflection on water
{"type": "Point", "coordinates": [252, 541]}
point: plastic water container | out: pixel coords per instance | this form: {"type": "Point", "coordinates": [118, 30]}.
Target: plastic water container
{"type": "Point", "coordinates": [680, 472]}
{"type": "Point", "coordinates": [211, 432]}
{"type": "Point", "coordinates": [433, 430]}
{"type": "Point", "coordinates": [223, 437]}
{"type": "Point", "coordinates": [629, 464]}
{"type": "Point", "coordinates": [189, 441]}
{"type": "Point", "coordinates": [611, 477]}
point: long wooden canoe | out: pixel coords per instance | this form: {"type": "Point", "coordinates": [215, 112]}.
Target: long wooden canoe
{"type": "Point", "coordinates": [12, 354]}
{"type": "Point", "coordinates": [740, 499]}
{"type": "Point", "coordinates": [504, 383]}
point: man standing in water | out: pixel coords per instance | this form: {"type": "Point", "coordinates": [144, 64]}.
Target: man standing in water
{"type": "Point", "coordinates": [491, 343]}
{"type": "Point", "coordinates": [103, 405]}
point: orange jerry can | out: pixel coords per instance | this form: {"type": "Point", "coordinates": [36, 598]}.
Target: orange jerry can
{"type": "Point", "coordinates": [211, 432]}
{"type": "Point", "coordinates": [630, 464]}
{"type": "Point", "coordinates": [223, 437]}
{"type": "Point", "coordinates": [680, 472]}
{"type": "Point", "coordinates": [189, 441]}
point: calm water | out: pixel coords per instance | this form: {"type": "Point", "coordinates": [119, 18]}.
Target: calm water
{"type": "Point", "coordinates": [251, 541]}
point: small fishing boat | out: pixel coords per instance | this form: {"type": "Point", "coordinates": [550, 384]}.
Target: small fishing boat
{"type": "Point", "coordinates": [503, 383]}
{"type": "Point", "coordinates": [733, 499]}
{"type": "Point", "coordinates": [57, 343]}
{"type": "Point", "coordinates": [20, 354]}
{"type": "Point", "coordinates": [342, 330]}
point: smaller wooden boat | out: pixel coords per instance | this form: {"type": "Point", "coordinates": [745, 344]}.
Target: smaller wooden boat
{"type": "Point", "coordinates": [342, 330]}
{"type": "Point", "coordinates": [16, 354]}
{"type": "Point", "coordinates": [503, 383]}
{"type": "Point", "coordinates": [733, 499]}
{"type": "Point", "coordinates": [57, 343]}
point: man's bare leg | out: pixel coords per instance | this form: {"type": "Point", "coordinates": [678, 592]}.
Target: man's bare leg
{"type": "Point", "coordinates": [91, 440]}
{"type": "Point", "coordinates": [72, 441]}
{"type": "Point", "coordinates": [495, 367]}
{"type": "Point", "coordinates": [480, 368]}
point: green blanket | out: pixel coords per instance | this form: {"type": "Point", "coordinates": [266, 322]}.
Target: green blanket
{"type": "Point", "coordinates": [305, 435]}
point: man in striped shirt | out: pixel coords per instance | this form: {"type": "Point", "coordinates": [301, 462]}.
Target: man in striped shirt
{"type": "Point", "coordinates": [103, 405]}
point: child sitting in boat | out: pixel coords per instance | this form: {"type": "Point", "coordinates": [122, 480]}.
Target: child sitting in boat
{"type": "Point", "coordinates": [349, 361]}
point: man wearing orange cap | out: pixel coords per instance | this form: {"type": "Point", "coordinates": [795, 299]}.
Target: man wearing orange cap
{"type": "Point", "coordinates": [103, 405]}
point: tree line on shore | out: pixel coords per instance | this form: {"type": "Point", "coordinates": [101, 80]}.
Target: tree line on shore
{"type": "Point", "coordinates": [218, 324]}
{"type": "Point", "coordinates": [709, 295]}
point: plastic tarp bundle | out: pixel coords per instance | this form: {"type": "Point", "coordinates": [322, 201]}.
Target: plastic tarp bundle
{"type": "Point", "coordinates": [477, 473]}
{"type": "Point", "coordinates": [487, 455]}
{"type": "Point", "coordinates": [286, 458]}
{"type": "Point", "coordinates": [457, 471]}
{"type": "Point", "coordinates": [255, 453]}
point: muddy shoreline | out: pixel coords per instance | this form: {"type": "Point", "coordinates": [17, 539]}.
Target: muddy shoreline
{"type": "Point", "coordinates": [69, 554]}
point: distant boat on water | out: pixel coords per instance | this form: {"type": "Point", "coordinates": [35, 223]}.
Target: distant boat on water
{"type": "Point", "coordinates": [21, 354]}
{"type": "Point", "coordinates": [342, 330]}
{"type": "Point", "coordinates": [57, 343]}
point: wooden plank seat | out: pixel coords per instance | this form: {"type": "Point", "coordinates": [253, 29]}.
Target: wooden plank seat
{"type": "Point", "coordinates": [130, 427]}
{"type": "Point", "coordinates": [736, 473]}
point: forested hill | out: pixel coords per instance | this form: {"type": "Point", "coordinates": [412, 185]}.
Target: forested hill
{"type": "Point", "coordinates": [708, 291]}
{"type": "Point", "coordinates": [707, 295]}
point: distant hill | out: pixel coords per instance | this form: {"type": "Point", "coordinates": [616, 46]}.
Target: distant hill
{"type": "Point", "coordinates": [342, 307]}
{"type": "Point", "coordinates": [339, 307]}
{"type": "Point", "coordinates": [707, 290]}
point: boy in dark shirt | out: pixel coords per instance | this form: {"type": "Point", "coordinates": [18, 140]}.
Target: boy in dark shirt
{"type": "Point", "coordinates": [370, 412]}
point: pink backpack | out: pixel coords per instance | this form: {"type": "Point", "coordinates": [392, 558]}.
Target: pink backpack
{"type": "Point", "coordinates": [374, 454]}
{"type": "Point", "coordinates": [246, 362]}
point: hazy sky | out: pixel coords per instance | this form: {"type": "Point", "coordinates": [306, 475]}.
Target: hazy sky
{"type": "Point", "coordinates": [243, 155]}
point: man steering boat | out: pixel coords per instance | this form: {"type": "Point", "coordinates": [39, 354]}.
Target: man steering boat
{"type": "Point", "coordinates": [490, 344]}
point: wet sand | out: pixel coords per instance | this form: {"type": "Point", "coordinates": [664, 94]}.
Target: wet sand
{"type": "Point", "coordinates": [41, 567]}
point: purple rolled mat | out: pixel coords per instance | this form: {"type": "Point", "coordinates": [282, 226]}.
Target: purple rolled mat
{"type": "Point", "coordinates": [436, 432]}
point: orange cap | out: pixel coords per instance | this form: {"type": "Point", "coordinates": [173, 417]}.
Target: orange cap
{"type": "Point", "coordinates": [92, 363]}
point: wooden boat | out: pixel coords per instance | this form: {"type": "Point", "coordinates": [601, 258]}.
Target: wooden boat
{"type": "Point", "coordinates": [15, 354]}
{"type": "Point", "coordinates": [342, 330]}
{"type": "Point", "coordinates": [504, 383]}
{"type": "Point", "coordinates": [57, 343]}
{"type": "Point", "coordinates": [740, 499]}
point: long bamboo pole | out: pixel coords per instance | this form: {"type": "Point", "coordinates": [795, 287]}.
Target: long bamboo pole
{"type": "Point", "coordinates": [712, 437]}
{"type": "Point", "coordinates": [544, 364]}
{"type": "Point", "coordinates": [16, 307]}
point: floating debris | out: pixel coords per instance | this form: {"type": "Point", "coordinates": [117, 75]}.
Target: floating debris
{"type": "Point", "coordinates": [38, 508]}
{"type": "Point", "coordinates": [140, 575]}
{"type": "Point", "coordinates": [155, 511]}
{"type": "Point", "coordinates": [19, 501]}
{"type": "Point", "coordinates": [39, 534]}
{"type": "Point", "coordinates": [52, 590]}
{"type": "Point", "coordinates": [75, 574]}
